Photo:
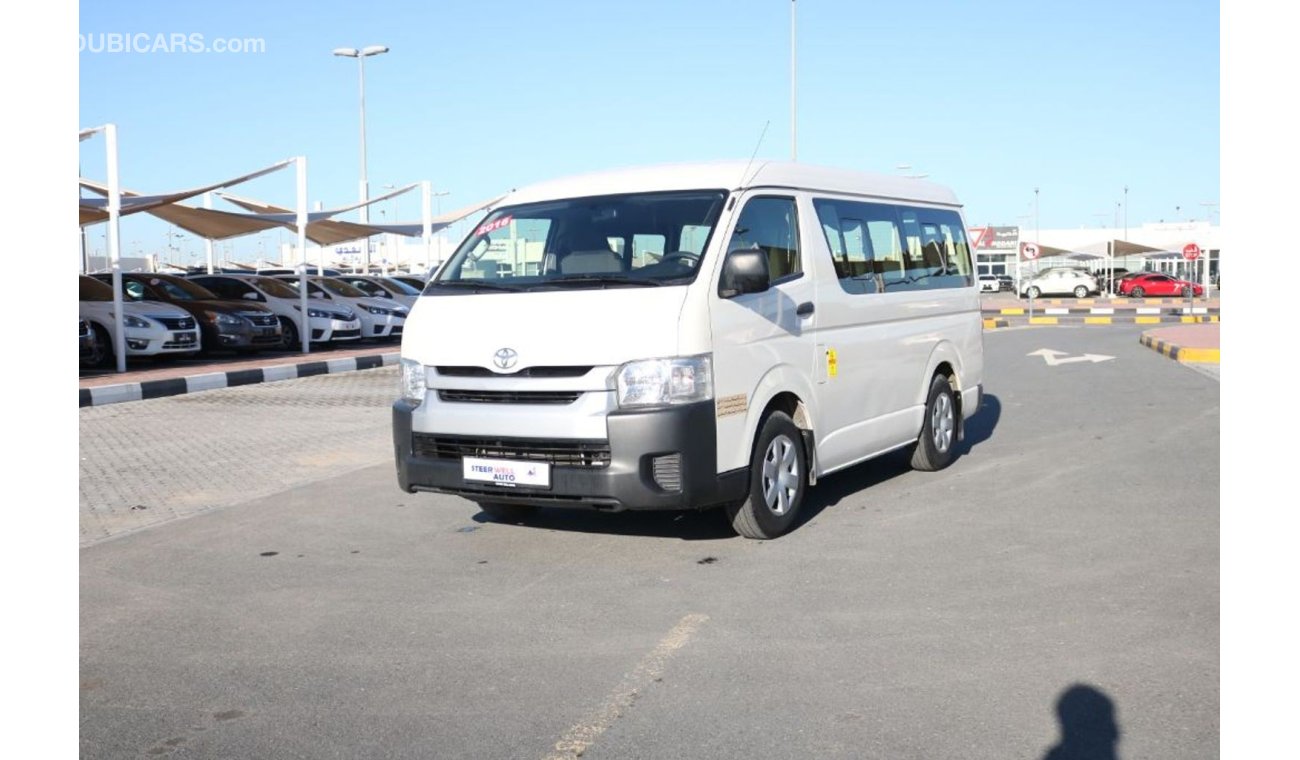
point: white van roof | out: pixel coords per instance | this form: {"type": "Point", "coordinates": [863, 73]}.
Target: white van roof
{"type": "Point", "coordinates": [734, 175]}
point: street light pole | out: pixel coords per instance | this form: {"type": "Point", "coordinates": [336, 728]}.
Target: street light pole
{"type": "Point", "coordinates": [361, 55]}
{"type": "Point", "coordinates": [1036, 240]}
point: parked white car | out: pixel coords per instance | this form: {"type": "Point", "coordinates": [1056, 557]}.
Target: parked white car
{"type": "Point", "coordinates": [1059, 281]}
{"type": "Point", "coordinates": [380, 319]}
{"type": "Point", "coordinates": [383, 288]}
{"type": "Point", "coordinates": [151, 328]}
{"type": "Point", "coordinates": [989, 284]}
{"type": "Point", "coordinates": [328, 322]}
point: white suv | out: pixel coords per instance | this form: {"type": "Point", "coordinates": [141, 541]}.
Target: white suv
{"type": "Point", "coordinates": [1061, 281]}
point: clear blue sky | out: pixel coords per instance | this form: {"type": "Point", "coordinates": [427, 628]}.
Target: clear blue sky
{"type": "Point", "coordinates": [992, 99]}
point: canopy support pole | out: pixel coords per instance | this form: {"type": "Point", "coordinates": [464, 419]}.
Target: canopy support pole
{"type": "Point", "coordinates": [426, 217]}
{"type": "Point", "coordinates": [207, 241]}
{"type": "Point", "coordinates": [114, 245]}
{"type": "Point", "coordinates": [305, 332]}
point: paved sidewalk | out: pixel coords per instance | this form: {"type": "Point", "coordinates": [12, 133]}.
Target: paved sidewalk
{"type": "Point", "coordinates": [1185, 343]}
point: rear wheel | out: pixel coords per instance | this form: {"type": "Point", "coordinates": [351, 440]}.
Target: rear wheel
{"type": "Point", "coordinates": [777, 481]}
{"type": "Point", "coordinates": [506, 513]}
{"type": "Point", "coordinates": [1080, 292]}
{"type": "Point", "coordinates": [936, 447]}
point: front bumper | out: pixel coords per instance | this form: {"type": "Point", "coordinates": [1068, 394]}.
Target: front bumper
{"type": "Point", "coordinates": [636, 439]}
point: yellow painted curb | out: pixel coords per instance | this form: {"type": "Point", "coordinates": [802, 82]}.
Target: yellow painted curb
{"type": "Point", "coordinates": [1097, 320]}
{"type": "Point", "coordinates": [1044, 321]}
{"type": "Point", "coordinates": [1146, 320]}
{"type": "Point", "coordinates": [1013, 311]}
{"type": "Point", "coordinates": [1205, 355]}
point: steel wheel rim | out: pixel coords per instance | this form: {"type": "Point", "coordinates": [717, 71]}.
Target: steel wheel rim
{"type": "Point", "coordinates": [780, 475]}
{"type": "Point", "coordinates": [941, 423]}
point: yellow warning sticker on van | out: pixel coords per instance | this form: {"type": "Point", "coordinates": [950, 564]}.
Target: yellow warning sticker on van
{"type": "Point", "coordinates": [832, 363]}
{"type": "Point", "coordinates": [736, 404]}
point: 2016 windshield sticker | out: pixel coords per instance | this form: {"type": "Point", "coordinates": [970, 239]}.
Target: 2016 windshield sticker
{"type": "Point", "coordinates": [495, 224]}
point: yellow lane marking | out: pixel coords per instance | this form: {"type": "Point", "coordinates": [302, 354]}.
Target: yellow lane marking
{"type": "Point", "coordinates": [651, 668]}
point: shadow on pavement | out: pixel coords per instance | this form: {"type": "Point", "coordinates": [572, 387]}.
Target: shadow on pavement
{"type": "Point", "coordinates": [1088, 727]}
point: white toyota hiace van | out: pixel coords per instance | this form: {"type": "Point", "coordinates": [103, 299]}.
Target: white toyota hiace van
{"type": "Point", "coordinates": [692, 336]}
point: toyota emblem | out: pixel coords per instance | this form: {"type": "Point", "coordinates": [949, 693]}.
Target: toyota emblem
{"type": "Point", "coordinates": [505, 358]}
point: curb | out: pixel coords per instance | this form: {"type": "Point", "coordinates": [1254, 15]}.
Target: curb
{"type": "Point", "coordinates": [1107, 310]}
{"type": "Point", "coordinates": [1186, 319]}
{"type": "Point", "coordinates": [175, 386]}
{"type": "Point", "coordinates": [1180, 353]}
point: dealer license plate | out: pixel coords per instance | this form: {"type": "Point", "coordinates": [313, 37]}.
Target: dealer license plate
{"type": "Point", "coordinates": [183, 337]}
{"type": "Point", "coordinates": [503, 472]}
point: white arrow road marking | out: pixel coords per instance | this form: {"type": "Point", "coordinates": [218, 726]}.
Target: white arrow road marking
{"type": "Point", "coordinates": [1053, 357]}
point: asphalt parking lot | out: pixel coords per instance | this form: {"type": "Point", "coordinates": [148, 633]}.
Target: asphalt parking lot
{"type": "Point", "coordinates": [253, 584]}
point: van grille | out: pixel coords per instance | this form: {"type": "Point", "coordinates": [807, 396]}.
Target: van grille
{"type": "Point", "coordinates": [467, 371]}
{"type": "Point", "coordinates": [560, 453]}
{"type": "Point", "coordinates": [509, 397]}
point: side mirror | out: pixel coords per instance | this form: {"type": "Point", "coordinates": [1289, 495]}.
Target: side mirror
{"type": "Point", "coordinates": [744, 271]}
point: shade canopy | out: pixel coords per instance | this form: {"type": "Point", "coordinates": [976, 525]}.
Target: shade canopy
{"type": "Point", "coordinates": [95, 209]}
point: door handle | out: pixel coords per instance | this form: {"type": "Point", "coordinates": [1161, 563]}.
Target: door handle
{"type": "Point", "coordinates": [805, 309]}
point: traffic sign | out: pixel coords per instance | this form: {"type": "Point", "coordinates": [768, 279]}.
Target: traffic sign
{"type": "Point", "coordinates": [1029, 250]}
{"type": "Point", "coordinates": [1191, 251]}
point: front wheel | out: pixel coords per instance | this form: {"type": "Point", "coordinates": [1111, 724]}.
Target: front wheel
{"type": "Point", "coordinates": [1138, 292]}
{"type": "Point", "coordinates": [1034, 292]}
{"type": "Point", "coordinates": [1187, 292]}
{"type": "Point", "coordinates": [777, 481]}
{"type": "Point", "coordinates": [936, 447]}
{"type": "Point", "coordinates": [102, 355]}
{"type": "Point", "coordinates": [289, 337]}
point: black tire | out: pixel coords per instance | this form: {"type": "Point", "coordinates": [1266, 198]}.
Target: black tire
{"type": "Point", "coordinates": [506, 513]}
{"type": "Point", "coordinates": [1034, 292]}
{"type": "Point", "coordinates": [1187, 292]}
{"type": "Point", "coordinates": [291, 341]}
{"type": "Point", "coordinates": [103, 355]}
{"type": "Point", "coordinates": [778, 480]}
{"type": "Point", "coordinates": [1138, 292]}
{"type": "Point", "coordinates": [1081, 292]}
{"type": "Point", "coordinates": [936, 447]}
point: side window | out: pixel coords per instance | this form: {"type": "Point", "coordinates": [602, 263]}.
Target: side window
{"type": "Point", "coordinates": [772, 225]}
{"type": "Point", "coordinates": [879, 247]}
{"type": "Point", "coordinates": [865, 244]}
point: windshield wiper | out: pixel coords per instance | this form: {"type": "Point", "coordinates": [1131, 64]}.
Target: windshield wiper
{"type": "Point", "coordinates": [478, 284]}
{"type": "Point", "coordinates": [597, 279]}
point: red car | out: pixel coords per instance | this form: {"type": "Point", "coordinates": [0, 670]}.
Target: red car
{"type": "Point", "coordinates": [1152, 284]}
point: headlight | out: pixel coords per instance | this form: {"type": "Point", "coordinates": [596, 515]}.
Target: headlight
{"type": "Point", "coordinates": [413, 384]}
{"type": "Point", "coordinates": [400, 313]}
{"type": "Point", "coordinates": [131, 321]}
{"type": "Point", "coordinates": [680, 380]}
{"type": "Point", "coordinates": [224, 319]}
{"type": "Point", "coordinates": [378, 311]}
{"type": "Point", "coordinates": [318, 314]}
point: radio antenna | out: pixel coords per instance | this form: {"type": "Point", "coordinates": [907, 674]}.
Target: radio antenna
{"type": "Point", "coordinates": [763, 134]}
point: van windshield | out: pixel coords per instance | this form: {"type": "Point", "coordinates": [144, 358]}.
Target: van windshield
{"type": "Point", "coordinates": [635, 240]}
